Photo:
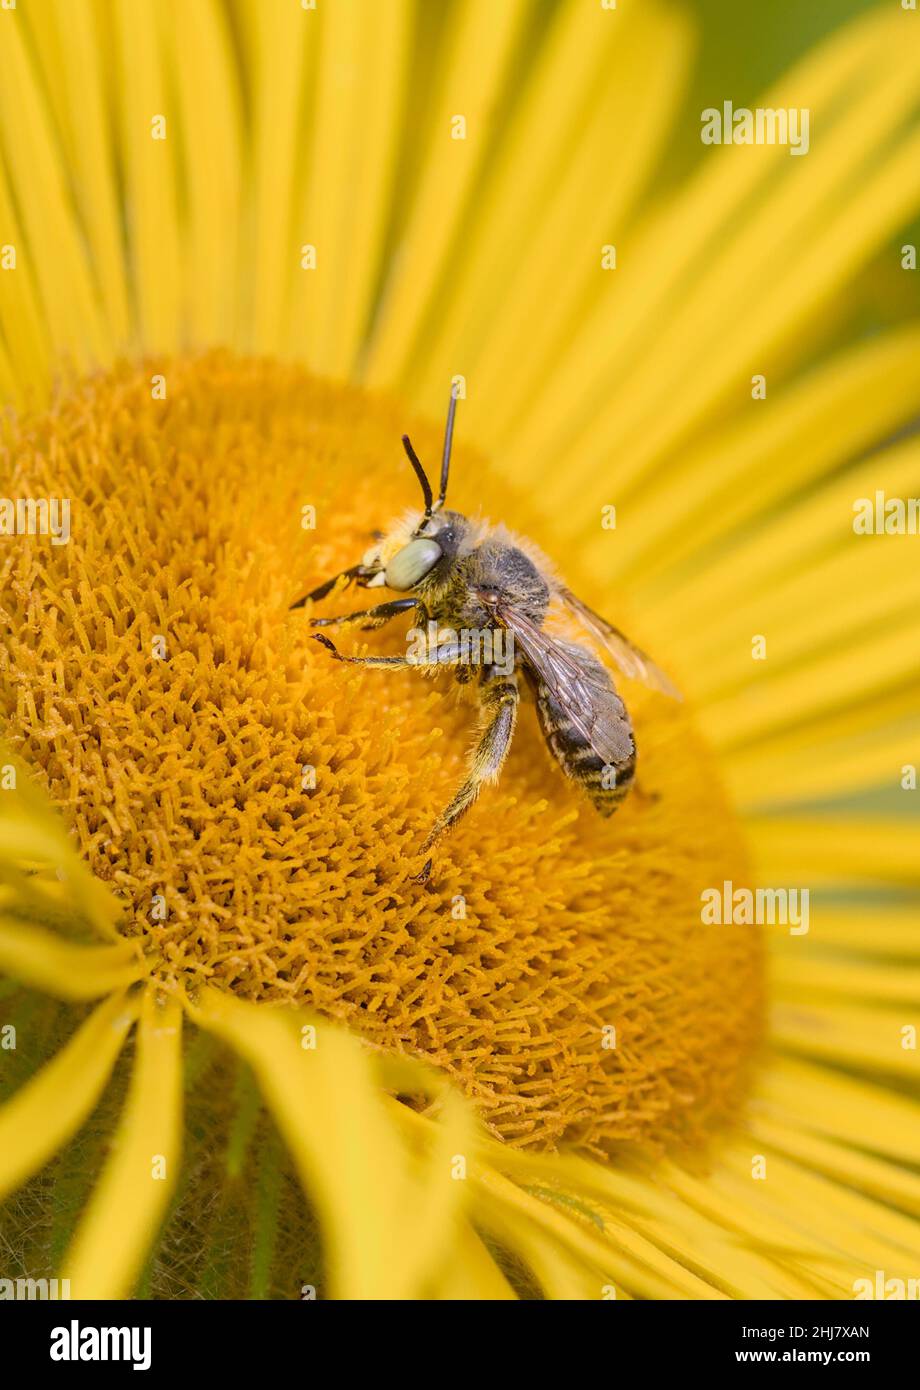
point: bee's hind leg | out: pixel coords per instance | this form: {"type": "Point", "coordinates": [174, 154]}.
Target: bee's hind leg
{"type": "Point", "coordinates": [394, 663]}
{"type": "Point", "coordinates": [448, 654]}
{"type": "Point", "coordinates": [499, 701]}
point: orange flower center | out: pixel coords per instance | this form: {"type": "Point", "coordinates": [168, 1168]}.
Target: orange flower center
{"type": "Point", "coordinates": [259, 808]}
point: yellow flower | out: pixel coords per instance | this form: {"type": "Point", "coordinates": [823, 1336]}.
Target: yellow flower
{"type": "Point", "coordinates": [247, 247]}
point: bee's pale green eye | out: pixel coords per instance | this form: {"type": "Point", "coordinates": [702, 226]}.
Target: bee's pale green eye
{"type": "Point", "coordinates": [412, 563]}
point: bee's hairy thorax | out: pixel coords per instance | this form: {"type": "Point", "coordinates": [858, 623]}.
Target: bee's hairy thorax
{"type": "Point", "coordinates": [451, 592]}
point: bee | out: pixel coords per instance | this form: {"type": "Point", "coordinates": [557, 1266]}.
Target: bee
{"type": "Point", "coordinates": [458, 578]}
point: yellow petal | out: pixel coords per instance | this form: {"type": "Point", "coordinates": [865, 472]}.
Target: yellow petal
{"type": "Point", "coordinates": [131, 1196]}
{"type": "Point", "coordinates": [809, 850]}
{"type": "Point", "coordinates": [544, 221]}
{"type": "Point", "coordinates": [198, 49]}
{"type": "Point", "coordinates": [857, 1233]}
{"type": "Point", "coordinates": [873, 665]}
{"type": "Point", "coordinates": [39, 182]}
{"type": "Point", "coordinates": [362, 91]}
{"type": "Point", "coordinates": [278, 38]}
{"type": "Point", "coordinates": [34, 845]}
{"type": "Point", "coordinates": [888, 930]}
{"type": "Point", "coordinates": [43, 1115]}
{"type": "Point", "coordinates": [868, 742]}
{"type": "Point", "coordinates": [347, 1149]}
{"type": "Point", "coordinates": [466, 84]}
{"type": "Point", "coordinates": [68, 971]}
{"type": "Point", "coordinates": [23, 316]}
{"type": "Point", "coordinates": [692, 245]}
{"type": "Point", "coordinates": [869, 1038]}
{"type": "Point", "coordinates": [858, 979]}
{"type": "Point", "coordinates": [612, 1248]}
{"type": "Point", "coordinates": [869, 586]}
{"type": "Point", "coordinates": [854, 1110]}
{"type": "Point", "coordinates": [742, 470]}
{"type": "Point", "coordinates": [775, 772]}
{"type": "Point", "coordinates": [891, 1183]}
{"type": "Point", "coordinates": [788, 540]}
{"type": "Point", "coordinates": [149, 155]}
{"type": "Point", "coordinates": [473, 1274]}
{"type": "Point", "coordinates": [67, 41]}
{"type": "Point", "coordinates": [649, 416]}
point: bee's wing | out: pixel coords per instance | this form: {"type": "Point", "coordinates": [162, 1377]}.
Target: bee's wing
{"type": "Point", "coordinates": [574, 681]}
{"type": "Point", "coordinates": [631, 660]}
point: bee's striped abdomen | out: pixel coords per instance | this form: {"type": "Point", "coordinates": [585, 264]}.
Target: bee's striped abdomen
{"type": "Point", "coordinates": [605, 783]}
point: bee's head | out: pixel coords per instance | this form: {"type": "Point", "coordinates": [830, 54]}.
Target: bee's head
{"type": "Point", "coordinates": [409, 554]}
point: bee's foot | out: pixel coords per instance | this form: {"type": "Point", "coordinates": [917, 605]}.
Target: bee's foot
{"type": "Point", "coordinates": [424, 873]}
{"type": "Point", "coordinates": [317, 637]}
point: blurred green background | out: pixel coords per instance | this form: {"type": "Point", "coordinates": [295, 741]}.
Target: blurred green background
{"type": "Point", "coordinates": [755, 40]}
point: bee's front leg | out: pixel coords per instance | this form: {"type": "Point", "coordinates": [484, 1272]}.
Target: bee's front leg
{"type": "Point", "coordinates": [355, 571]}
{"type": "Point", "coordinates": [371, 618]}
{"type": "Point", "coordinates": [499, 701]}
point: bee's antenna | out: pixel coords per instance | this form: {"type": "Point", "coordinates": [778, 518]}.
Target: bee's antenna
{"type": "Point", "coordinates": [445, 457]}
{"type": "Point", "coordinates": [419, 473]}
